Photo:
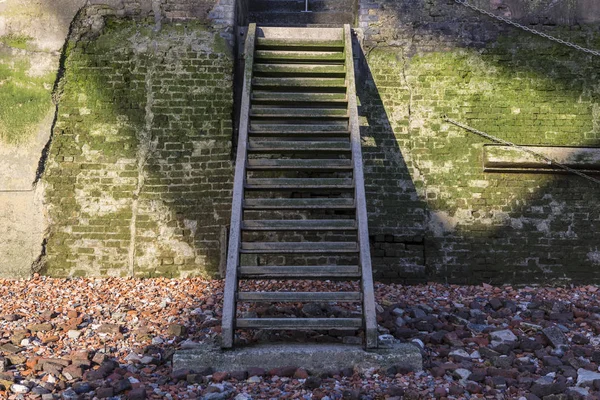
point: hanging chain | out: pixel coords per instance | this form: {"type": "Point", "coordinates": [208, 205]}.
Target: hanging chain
{"type": "Point", "coordinates": [528, 29]}
{"type": "Point", "coordinates": [537, 155]}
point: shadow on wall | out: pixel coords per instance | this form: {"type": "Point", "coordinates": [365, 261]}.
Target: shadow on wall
{"type": "Point", "coordinates": [396, 214]}
{"type": "Point", "coordinates": [424, 176]}
{"type": "Point", "coordinates": [139, 171]}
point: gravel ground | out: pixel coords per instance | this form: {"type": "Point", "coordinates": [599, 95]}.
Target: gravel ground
{"type": "Point", "coordinates": [114, 338]}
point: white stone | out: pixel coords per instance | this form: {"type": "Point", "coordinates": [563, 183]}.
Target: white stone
{"type": "Point", "coordinates": [146, 360]}
{"type": "Point", "coordinates": [254, 379]}
{"type": "Point", "coordinates": [418, 342]}
{"type": "Point", "coordinates": [73, 334]}
{"type": "Point", "coordinates": [132, 357]}
{"type": "Point", "coordinates": [460, 353]}
{"type": "Point", "coordinates": [18, 389]}
{"type": "Point", "coordinates": [462, 374]}
{"type": "Point", "coordinates": [157, 340]}
{"type": "Point", "coordinates": [585, 377]}
{"type": "Point", "coordinates": [25, 342]}
{"type": "Point", "coordinates": [504, 336]}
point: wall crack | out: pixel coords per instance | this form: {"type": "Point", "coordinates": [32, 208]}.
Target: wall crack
{"type": "Point", "coordinates": [146, 147]}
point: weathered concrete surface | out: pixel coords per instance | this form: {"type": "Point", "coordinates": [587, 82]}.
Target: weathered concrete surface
{"type": "Point", "coordinates": [44, 26]}
{"type": "Point", "coordinates": [23, 225]}
{"type": "Point", "coordinates": [316, 358]}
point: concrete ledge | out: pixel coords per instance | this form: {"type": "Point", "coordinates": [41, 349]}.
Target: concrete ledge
{"type": "Point", "coordinates": [501, 158]}
{"type": "Point", "coordinates": [316, 358]}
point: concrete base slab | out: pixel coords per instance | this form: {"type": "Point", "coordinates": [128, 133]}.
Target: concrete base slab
{"type": "Point", "coordinates": [316, 358]}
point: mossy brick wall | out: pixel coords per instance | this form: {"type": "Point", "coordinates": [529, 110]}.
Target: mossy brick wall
{"type": "Point", "coordinates": [139, 172]}
{"type": "Point", "coordinates": [433, 212]}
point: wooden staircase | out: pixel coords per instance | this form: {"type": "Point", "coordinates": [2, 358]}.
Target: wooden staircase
{"type": "Point", "coordinates": [299, 207]}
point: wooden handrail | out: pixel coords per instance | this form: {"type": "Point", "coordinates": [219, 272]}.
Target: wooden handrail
{"type": "Point", "coordinates": [369, 310]}
{"type": "Point", "coordinates": [233, 251]}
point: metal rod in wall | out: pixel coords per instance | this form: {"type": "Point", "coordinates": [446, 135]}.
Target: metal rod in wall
{"type": "Point", "coordinates": [306, 6]}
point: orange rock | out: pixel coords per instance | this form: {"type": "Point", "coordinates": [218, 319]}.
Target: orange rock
{"type": "Point", "coordinates": [32, 362]}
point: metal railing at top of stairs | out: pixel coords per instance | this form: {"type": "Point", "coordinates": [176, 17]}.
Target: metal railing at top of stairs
{"type": "Point", "coordinates": [369, 311]}
{"type": "Point", "coordinates": [233, 251]}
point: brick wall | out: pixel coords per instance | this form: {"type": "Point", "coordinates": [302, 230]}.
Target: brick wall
{"type": "Point", "coordinates": [434, 213]}
{"type": "Point", "coordinates": [139, 172]}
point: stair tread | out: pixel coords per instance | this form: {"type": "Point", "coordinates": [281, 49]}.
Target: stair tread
{"type": "Point", "coordinates": [299, 82]}
{"type": "Point", "coordinates": [299, 183]}
{"type": "Point", "coordinates": [300, 68]}
{"type": "Point", "coordinates": [259, 95]}
{"type": "Point", "coordinates": [295, 164]}
{"type": "Point", "coordinates": [299, 55]}
{"type": "Point", "coordinates": [300, 224]}
{"type": "Point", "coordinates": [304, 297]}
{"type": "Point", "coordinates": [298, 247]}
{"type": "Point", "coordinates": [302, 272]}
{"type": "Point", "coordinates": [300, 323]}
{"type": "Point", "coordinates": [339, 127]}
{"type": "Point", "coordinates": [298, 42]}
{"type": "Point", "coordinates": [298, 112]}
{"type": "Point", "coordinates": [287, 204]}
{"type": "Point", "coordinates": [296, 145]}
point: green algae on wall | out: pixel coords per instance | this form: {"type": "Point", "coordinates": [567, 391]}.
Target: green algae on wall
{"type": "Point", "coordinates": [433, 211]}
{"type": "Point", "coordinates": [25, 96]}
{"type": "Point", "coordinates": [139, 170]}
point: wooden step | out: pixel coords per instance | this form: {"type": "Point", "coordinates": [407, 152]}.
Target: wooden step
{"type": "Point", "coordinates": [304, 297]}
{"type": "Point", "coordinates": [300, 164]}
{"type": "Point", "coordinates": [297, 146]}
{"type": "Point", "coordinates": [292, 204]}
{"type": "Point", "coordinates": [334, 127]}
{"type": "Point", "coordinates": [299, 69]}
{"type": "Point", "coordinates": [286, 55]}
{"type": "Point", "coordinates": [288, 112]}
{"type": "Point", "coordinates": [300, 272]}
{"type": "Point", "coordinates": [259, 95]}
{"type": "Point", "coordinates": [299, 183]}
{"type": "Point", "coordinates": [298, 247]}
{"type": "Point", "coordinates": [262, 43]}
{"type": "Point", "coordinates": [300, 225]}
{"type": "Point", "coordinates": [299, 82]}
{"type": "Point", "coordinates": [300, 323]}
